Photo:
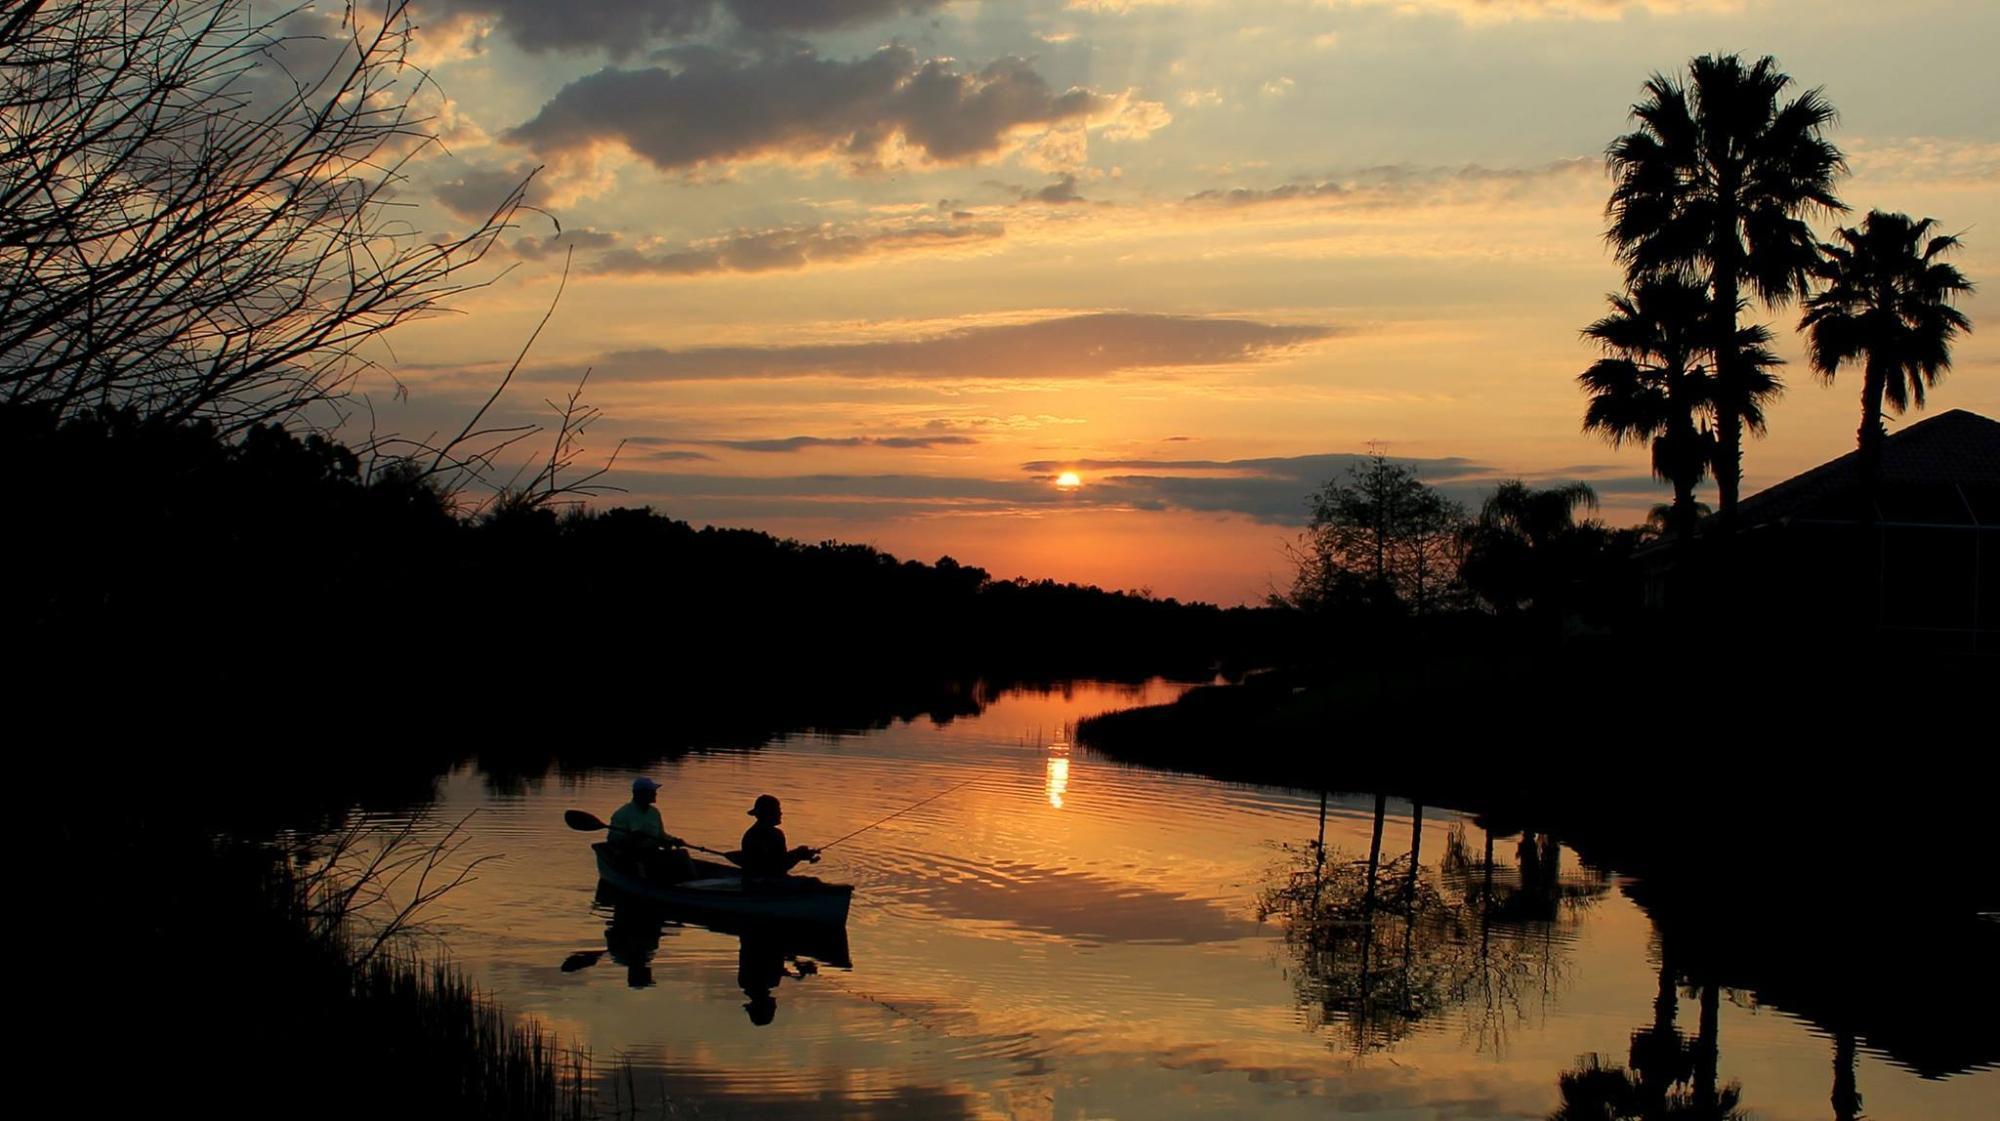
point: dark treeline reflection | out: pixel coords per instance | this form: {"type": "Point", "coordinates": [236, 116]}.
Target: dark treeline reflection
{"type": "Point", "coordinates": [1385, 944]}
{"type": "Point", "coordinates": [315, 778]}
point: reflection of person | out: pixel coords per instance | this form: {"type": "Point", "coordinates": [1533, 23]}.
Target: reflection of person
{"type": "Point", "coordinates": [764, 851]}
{"type": "Point", "coordinates": [639, 834]}
{"type": "Point", "coordinates": [760, 967]}
{"type": "Point", "coordinates": [633, 936]}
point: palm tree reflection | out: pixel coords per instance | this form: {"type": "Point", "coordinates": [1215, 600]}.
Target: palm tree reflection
{"type": "Point", "coordinates": [1670, 1077]}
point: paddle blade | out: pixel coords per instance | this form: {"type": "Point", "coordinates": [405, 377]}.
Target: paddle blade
{"type": "Point", "coordinates": [581, 960]}
{"type": "Point", "coordinates": [583, 822]}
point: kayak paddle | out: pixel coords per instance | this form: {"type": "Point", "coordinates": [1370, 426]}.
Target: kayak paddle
{"type": "Point", "coordinates": [590, 823]}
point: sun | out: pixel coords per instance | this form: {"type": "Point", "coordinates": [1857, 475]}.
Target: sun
{"type": "Point", "coordinates": [1068, 480]}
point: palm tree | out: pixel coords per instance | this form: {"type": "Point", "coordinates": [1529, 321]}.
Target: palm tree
{"type": "Point", "coordinates": [1650, 386]}
{"type": "Point", "coordinates": [1536, 516]}
{"type": "Point", "coordinates": [1519, 553]}
{"type": "Point", "coordinates": [1714, 186]}
{"type": "Point", "coordinates": [1888, 304]}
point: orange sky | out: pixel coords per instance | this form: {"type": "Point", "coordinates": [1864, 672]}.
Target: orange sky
{"type": "Point", "coordinates": [881, 270]}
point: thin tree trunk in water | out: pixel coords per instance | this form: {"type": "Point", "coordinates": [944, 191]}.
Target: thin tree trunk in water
{"type": "Point", "coordinates": [1707, 1051]}
{"type": "Point", "coordinates": [1375, 844]}
{"type": "Point", "coordinates": [1416, 846]}
{"type": "Point", "coordinates": [1486, 892]}
{"type": "Point", "coordinates": [1846, 1094]}
{"type": "Point", "coordinates": [1368, 926]}
{"type": "Point", "coordinates": [1319, 854]}
{"type": "Point", "coordinates": [1666, 1001]}
{"type": "Point", "coordinates": [1409, 900]}
{"type": "Point", "coordinates": [1486, 902]}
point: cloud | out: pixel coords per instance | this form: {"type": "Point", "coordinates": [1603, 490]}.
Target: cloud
{"type": "Point", "coordinates": [1930, 160]}
{"type": "Point", "coordinates": [801, 443]}
{"type": "Point", "coordinates": [475, 193]}
{"type": "Point", "coordinates": [1062, 192]}
{"type": "Point", "coordinates": [673, 456]}
{"type": "Point", "coordinates": [621, 27]}
{"type": "Point", "coordinates": [1271, 490]}
{"type": "Point", "coordinates": [1471, 11]}
{"type": "Point", "coordinates": [1073, 346]}
{"type": "Point", "coordinates": [1502, 11]}
{"type": "Point", "coordinates": [717, 108]}
{"type": "Point", "coordinates": [1059, 193]}
{"type": "Point", "coordinates": [1395, 184]}
{"type": "Point", "coordinates": [793, 247]}
{"type": "Point", "coordinates": [542, 248]}
{"type": "Point", "coordinates": [1017, 422]}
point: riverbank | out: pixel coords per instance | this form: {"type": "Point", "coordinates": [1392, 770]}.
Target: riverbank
{"type": "Point", "coordinates": [230, 978]}
{"type": "Point", "coordinates": [1874, 930]}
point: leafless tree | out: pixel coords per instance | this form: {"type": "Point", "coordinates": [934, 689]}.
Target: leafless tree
{"type": "Point", "coordinates": [198, 213]}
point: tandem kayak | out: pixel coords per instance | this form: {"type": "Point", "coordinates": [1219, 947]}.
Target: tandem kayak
{"type": "Point", "coordinates": [720, 889]}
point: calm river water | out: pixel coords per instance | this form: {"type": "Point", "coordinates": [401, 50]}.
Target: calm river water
{"type": "Point", "coordinates": [1071, 938]}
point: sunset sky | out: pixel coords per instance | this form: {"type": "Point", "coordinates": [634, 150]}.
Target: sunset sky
{"type": "Point", "coordinates": [884, 270]}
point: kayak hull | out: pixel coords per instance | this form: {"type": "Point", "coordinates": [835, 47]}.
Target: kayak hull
{"type": "Point", "coordinates": [720, 889]}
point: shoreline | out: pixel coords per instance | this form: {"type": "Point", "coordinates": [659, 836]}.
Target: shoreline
{"type": "Point", "coordinates": [1900, 875]}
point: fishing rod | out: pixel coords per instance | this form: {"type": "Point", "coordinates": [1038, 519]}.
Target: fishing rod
{"type": "Point", "coordinates": [897, 814]}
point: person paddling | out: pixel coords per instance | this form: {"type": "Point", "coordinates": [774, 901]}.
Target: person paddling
{"type": "Point", "coordinates": [638, 832]}
{"type": "Point", "coordinates": [764, 851]}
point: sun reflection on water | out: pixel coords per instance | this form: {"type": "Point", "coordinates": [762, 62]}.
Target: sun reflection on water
{"type": "Point", "coordinates": [1058, 779]}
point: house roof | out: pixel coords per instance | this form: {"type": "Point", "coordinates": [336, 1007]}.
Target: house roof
{"type": "Point", "coordinates": [1944, 470]}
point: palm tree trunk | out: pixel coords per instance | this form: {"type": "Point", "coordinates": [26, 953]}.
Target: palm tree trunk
{"type": "Point", "coordinates": [1728, 367]}
{"type": "Point", "coordinates": [1681, 521]}
{"type": "Point", "coordinates": [1871, 436]}
{"type": "Point", "coordinates": [1685, 461]}
{"type": "Point", "coordinates": [1867, 576]}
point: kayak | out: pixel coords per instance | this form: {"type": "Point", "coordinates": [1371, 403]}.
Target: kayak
{"type": "Point", "coordinates": [720, 889]}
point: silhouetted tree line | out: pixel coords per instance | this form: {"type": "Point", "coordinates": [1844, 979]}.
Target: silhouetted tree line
{"type": "Point", "coordinates": [1385, 548]}
{"type": "Point", "coordinates": [163, 549]}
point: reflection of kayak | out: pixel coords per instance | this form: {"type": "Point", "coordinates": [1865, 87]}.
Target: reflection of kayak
{"type": "Point", "coordinates": [720, 890]}
{"type": "Point", "coordinates": [823, 942]}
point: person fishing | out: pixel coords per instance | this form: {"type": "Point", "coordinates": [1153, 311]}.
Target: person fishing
{"type": "Point", "coordinates": [764, 851]}
{"type": "Point", "coordinates": [639, 834]}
